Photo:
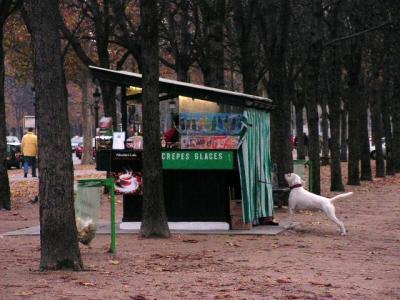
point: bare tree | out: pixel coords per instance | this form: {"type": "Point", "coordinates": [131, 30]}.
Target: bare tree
{"type": "Point", "coordinates": [178, 37]}
{"type": "Point", "coordinates": [210, 47]}
{"type": "Point", "coordinates": [333, 77]}
{"type": "Point", "coordinates": [87, 122]}
{"type": "Point", "coordinates": [154, 220]}
{"type": "Point", "coordinates": [312, 75]}
{"type": "Point", "coordinates": [58, 233]}
{"type": "Point", "coordinates": [7, 7]}
{"type": "Point", "coordinates": [97, 17]}
{"type": "Point", "coordinates": [274, 19]}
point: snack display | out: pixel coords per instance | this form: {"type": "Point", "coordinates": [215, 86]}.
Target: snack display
{"type": "Point", "coordinates": [209, 142]}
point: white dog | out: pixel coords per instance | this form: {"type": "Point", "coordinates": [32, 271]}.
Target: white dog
{"type": "Point", "coordinates": [299, 198]}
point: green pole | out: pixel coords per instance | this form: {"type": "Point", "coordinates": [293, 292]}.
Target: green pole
{"type": "Point", "coordinates": [110, 185]}
{"type": "Point", "coordinates": [310, 175]}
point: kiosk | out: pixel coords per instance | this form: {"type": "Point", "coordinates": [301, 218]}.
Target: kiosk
{"type": "Point", "coordinates": [219, 166]}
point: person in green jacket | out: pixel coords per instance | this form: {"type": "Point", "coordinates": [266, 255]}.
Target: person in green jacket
{"type": "Point", "coordinates": [29, 148]}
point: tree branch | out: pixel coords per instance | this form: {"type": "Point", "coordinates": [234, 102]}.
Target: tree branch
{"type": "Point", "coordinates": [356, 34]}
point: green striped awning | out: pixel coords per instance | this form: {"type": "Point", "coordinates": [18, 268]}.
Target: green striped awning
{"type": "Point", "coordinates": [254, 161]}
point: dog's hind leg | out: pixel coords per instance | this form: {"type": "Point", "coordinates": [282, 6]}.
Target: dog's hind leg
{"type": "Point", "coordinates": [339, 223]}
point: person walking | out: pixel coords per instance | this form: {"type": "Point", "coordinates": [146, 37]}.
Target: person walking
{"type": "Point", "coordinates": [29, 150]}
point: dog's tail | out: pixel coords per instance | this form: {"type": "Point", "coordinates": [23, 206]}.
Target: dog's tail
{"type": "Point", "coordinates": [341, 196]}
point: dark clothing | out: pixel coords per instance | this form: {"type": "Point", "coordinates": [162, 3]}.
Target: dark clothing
{"type": "Point", "coordinates": [30, 161]}
{"type": "Point", "coordinates": [172, 136]}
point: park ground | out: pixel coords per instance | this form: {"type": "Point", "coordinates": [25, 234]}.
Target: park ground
{"type": "Point", "coordinates": [310, 262]}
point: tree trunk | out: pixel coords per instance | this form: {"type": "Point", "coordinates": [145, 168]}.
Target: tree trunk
{"type": "Point", "coordinates": [313, 137]}
{"type": "Point", "coordinates": [279, 88]}
{"type": "Point", "coordinates": [334, 104]}
{"type": "Point", "coordinates": [182, 72]}
{"type": "Point", "coordinates": [366, 173]}
{"type": "Point", "coordinates": [354, 69]}
{"type": "Point", "coordinates": [377, 127]}
{"type": "Point", "coordinates": [108, 90]}
{"type": "Point", "coordinates": [393, 56]}
{"type": "Point", "coordinates": [280, 126]}
{"type": "Point", "coordinates": [313, 93]}
{"type": "Point", "coordinates": [387, 126]}
{"type": "Point", "coordinates": [395, 148]}
{"type": "Point", "coordinates": [300, 147]}
{"type": "Point", "coordinates": [154, 223]}
{"type": "Point", "coordinates": [243, 13]}
{"type": "Point", "coordinates": [344, 141]}
{"type": "Point", "coordinates": [58, 235]}
{"type": "Point", "coordinates": [87, 122]}
{"type": "Point", "coordinates": [5, 201]}
{"type": "Point", "coordinates": [212, 63]}
{"type": "Point", "coordinates": [325, 132]}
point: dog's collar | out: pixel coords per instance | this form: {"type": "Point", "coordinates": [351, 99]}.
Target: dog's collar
{"type": "Point", "coordinates": [295, 186]}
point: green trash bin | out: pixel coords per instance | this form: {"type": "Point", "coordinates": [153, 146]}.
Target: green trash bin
{"type": "Point", "coordinates": [299, 167]}
{"type": "Point", "coordinates": [87, 205]}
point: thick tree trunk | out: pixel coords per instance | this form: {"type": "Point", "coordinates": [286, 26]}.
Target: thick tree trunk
{"type": "Point", "coordinates": [300, 146]}
{"type": "Point", "coordinates": [243, 13]}
{"type": "Point", "coordinates": [280, 126]}
{"type": "Point", "coordinates": [5, 201]}
{"type": "Point", "coordinates": [387, 127]}
{"type": "Point", "coordinates": [377, 127]}
{"type": "Point", "coordinates": [313, 138]}
{"type": "Point", "coordinates": [335, 115]}
{"type": "Point", "coordinates": [393, 56]}
{"type": "Point", "coordinates": [182, 72]}
{"type": "Point", "coordinates": [344, 141]}
{"type": "Point", "coordinates": [58, 235]}
{"type": "Point", "coordinates": [395, 147]}
{"type": "Point", "coordinates": [325, 132]}
{"type": "Point", "coordinates": [154, 223]}
{"type": "Point", "coordinates": [212, 63]}
{"type": "Point", "coordinates": [313, 93]}
{"type": "Point", "coordinates": [87, 122]}
{"type": "Point", "coordinates": [108, 90]}
{"type": "Point", "coordinates": [354, 109]}
{"type": "Point", "coordinates": [366, 172]}
{"type": "Point", "coordinates": [278, 85]}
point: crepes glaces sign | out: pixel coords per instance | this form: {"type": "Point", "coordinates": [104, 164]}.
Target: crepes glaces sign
{"type": "Point", "coordinates": [197, 160]}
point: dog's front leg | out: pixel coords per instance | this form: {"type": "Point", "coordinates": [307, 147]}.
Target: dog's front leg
{"type": "Point", "coordinates": [291, 212]}
{"type": "Point", "coordinates": [290, 223]}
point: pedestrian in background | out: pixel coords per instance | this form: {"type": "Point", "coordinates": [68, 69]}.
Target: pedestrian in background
{"type": "Point", "coordinates": [29, 149]}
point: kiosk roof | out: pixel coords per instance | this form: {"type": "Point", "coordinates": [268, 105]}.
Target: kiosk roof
{"type": "Point", "coordinates": [173, 88]}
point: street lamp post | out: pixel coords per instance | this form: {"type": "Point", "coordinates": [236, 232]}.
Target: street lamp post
{"type": "Point", "coordinates": [35, 108]}
{"type": "Point", "coordinates": [96, 96]}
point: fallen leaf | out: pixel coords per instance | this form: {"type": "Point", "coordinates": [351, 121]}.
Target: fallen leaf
{"type": "Point", "coordinates": [283, 280]}
{"type": "Point", "coordinates": [224, 296]}
{"type": "Point", "coordinates": [190, 241]}
{"type": "Point", "coordinates": [320, 283]}
{"type": "Point", "coordinates": [24, 293]}
{"type": "Point", "coordinates": [87, 283]}
{"type": "Point", "coordinates": [138, 297]}
{"type": "Point", "coordinates": [233, 243]}
{"type": "Point", "coordinates": [113, 262]}
{"type": "Point", "coordinates": [291, 296]}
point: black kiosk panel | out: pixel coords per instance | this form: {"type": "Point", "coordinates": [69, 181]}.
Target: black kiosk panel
{"type": "Point", "coordinates": [190, 194]}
